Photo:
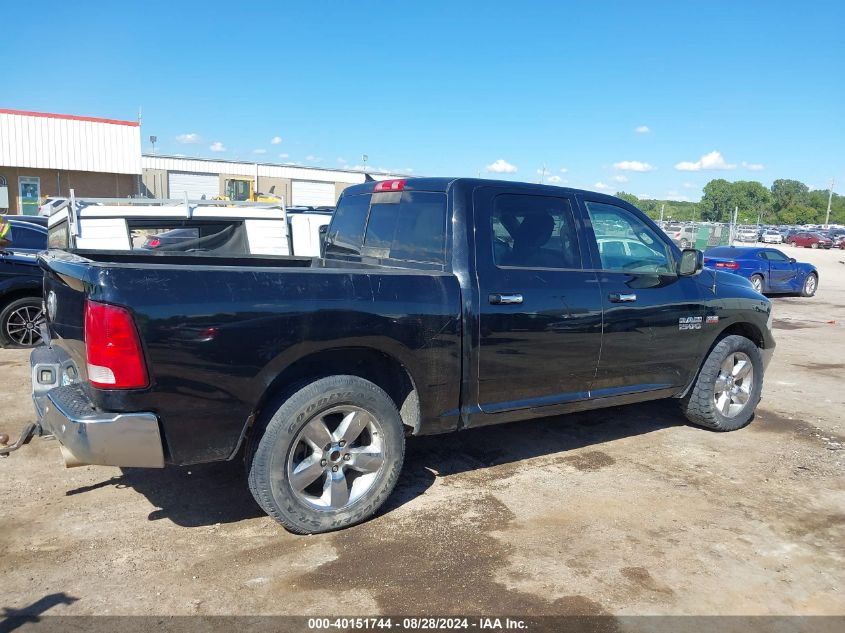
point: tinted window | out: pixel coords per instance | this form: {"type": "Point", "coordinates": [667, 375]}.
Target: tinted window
{"type": "Point", "coordinates": [410, 227]}
{"type": "Point", "coordinates": [775, 256]}
{"type": "Point", "coordinates": [347, 226]}
{"type": "Point", "coordinates": [28, 238]}
{"type": "Point", "coordinates": [625, 242]}
{"type": "Point", "coordinates": [534, 232]}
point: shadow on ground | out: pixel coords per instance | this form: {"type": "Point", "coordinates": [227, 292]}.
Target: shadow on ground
{"type": "Point", "coordinates": [217, 493]}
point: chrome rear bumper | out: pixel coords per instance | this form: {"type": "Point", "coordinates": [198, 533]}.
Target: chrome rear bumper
{"type": "Point", "coordinates": [88, 435]}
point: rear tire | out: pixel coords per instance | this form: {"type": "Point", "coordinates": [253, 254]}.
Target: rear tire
{"type": "Point", "coordinates": [757, 282]}
{"type": "Point", "coordinates": [328, 457]}
{"type": "Point", "coordinates": [19, 323]}
{"type": "Point", "coordinates": [811, 284]}
{"type": "Point", "coordinates": [728, 387]}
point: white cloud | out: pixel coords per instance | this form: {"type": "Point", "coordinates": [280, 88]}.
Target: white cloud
{"type": "Point", "coordinates": [276, 140]}
{"type": "Point", "coordinates": [689, 185]}
{"type": "Point", "coordinates": [217, 146]}
{"type": "Point", "coordinates": [602, 186]}
{"type": "Point", "coordinates": [554, 180]}
{"type": "Point", "coordinates": [753, 166]}
{"type": "Point", "coordinates": [563, 170]}
{"type": "Point", "coordinates": [712, 161]}
{"type": "Point", "coordinates": [501, 166]}
{"type": "Point", "coordinates": [259, 151]}
{"type": "Point", "coordinates": [313, 159]}
{"type": "Point", "coordinates": [341, 161]}
{"type": "Point", "coordinates": [673, 195]}
{"type": "Point", "coordinates": [633, 165]}
{"type": "Point", "coordinates": [189, 139]}
{"type": "Point", "coordinates": [644, 196]}
{"type": "Point", "coordinates": [620, 178]}
{"type": "Point", "coordinates": [642, 129]}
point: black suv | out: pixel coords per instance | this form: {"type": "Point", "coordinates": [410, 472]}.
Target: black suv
{"type": "Point", "coordinates": [20, 282]}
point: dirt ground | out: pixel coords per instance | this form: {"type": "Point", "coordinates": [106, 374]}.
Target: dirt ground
{"type": "Point", "coordinates": [625, 511]}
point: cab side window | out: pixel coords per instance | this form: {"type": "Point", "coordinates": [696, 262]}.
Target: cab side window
{"type": "Point", "coordinates": [625, 243]}
{"type": "Point", "coordinates": [534, 232]}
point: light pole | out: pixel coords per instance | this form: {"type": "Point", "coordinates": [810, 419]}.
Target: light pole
{"type": "Point", "coordinates": [153, 140]}
{"type": "Point", "coordinates": [364, 158]}
{"type": "Point", "coordinates": [829, 200]}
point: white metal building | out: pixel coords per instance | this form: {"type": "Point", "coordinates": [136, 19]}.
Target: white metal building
{"type": "Point", "coordinates": [45, 154]}
{"type": "Point", "coordinates": [174, 176]}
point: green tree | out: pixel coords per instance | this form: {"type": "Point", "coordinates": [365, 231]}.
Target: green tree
{"type": "Point", "coordinates": [718, 201]}
{"type": "Point", "coordinates": [789, 193]}
{"type": "Point", "coordinates": [750, 195]}
{"type": "Point", "coordinates": [629, 197]}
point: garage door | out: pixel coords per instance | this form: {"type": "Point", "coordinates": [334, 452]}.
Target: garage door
{"type": "Point", "coordinates": [195, 185]}
{"type": "Point", "coordinates": [313, 194]}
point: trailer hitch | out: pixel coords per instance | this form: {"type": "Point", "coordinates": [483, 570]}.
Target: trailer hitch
{"type": "Point", "coordinates": [27, 434]}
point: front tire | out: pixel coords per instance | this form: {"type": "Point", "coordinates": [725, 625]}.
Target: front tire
{"type": "Point", "coordinates": [811, 284]}
{"type": "Point", "coordinates": [328, 457]}
{"type": "Point", "coordinates": [19, 323]}
{"type": "Point", "coordinates": [814, 245]}
{"type": "Point", "coordinates": [684, 243]}
{"type": "Point", "coordinates": [728, 387]}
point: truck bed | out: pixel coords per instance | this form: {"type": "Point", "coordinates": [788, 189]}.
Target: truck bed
{"type": "Point", "coordinates": [218, 331]}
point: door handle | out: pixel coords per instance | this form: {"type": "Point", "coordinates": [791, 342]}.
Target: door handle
{"type": "Point", "coordinates": [505, 299]}
{"type": "Point", "coordinates": [622, 298]}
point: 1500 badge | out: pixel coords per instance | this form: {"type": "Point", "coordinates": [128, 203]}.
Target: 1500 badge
{"type": "Point", "coordinates": [689, 323]}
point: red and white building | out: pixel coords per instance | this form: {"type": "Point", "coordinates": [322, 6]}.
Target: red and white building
{"type": "Point", "coordinates": [45, 154]}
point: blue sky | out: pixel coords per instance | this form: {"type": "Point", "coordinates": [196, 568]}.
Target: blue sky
{"type": "Point", "coordinates": [633, 96]}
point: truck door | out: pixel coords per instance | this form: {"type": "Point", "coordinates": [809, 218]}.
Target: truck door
{"type": "Point", "coordinates": [539, 312]}
{"type": "Point", "coordinates": [653, 318]}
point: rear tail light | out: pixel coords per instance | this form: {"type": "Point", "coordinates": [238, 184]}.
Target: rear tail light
{"type": "Point", "coordinates": [390, 185]}
{"type": "Point", "coordinates": [728, 265]}
{"type": "Point", "coordinates": [155, 242]}
{"type": "Point", "coordinates": [113, 348]}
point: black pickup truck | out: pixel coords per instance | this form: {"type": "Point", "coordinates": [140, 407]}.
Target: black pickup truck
{"type": "Point", "coordinates": [439, 304]}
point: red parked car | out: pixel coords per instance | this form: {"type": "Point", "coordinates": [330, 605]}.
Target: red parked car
{"type": "Point", "coordinates": [809, 240]}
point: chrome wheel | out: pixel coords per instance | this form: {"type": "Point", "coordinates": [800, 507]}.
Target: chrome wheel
{"type": "Point", "coordinates": [22, 325]}
{"type": "Point", "coordinates": [734, 384]}
{"type": "Point", "coordinates": [810, 285]}
{"type": "Point", "coordinates": [757, 282]}
{"type": "Point", "coordinates": [336, 458]}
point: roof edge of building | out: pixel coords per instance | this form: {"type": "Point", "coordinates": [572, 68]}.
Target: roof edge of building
{"type": "Point", "coordinates": [70, 117]}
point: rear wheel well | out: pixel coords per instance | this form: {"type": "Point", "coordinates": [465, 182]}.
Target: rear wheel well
{"type": "Point", "coordinates": [369, 364]}
{"type": "Point", "coordinates": [21, 293]}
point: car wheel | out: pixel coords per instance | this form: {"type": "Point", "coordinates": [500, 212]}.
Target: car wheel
{"type": "Point", "coordinates": [814, 245]}
{"type": "Point", "coordinates": [728, 387]}
{"type": "Point", "coordinates": [811, 284]}
{"type": "Point", "coordinates": [757, 282]}
{"type": "Point", "coordinates": [19, 323]}
{"type": "Point", "coordinates": [684, 243]}
{"type": "Point", "coordinates": [328, 457]}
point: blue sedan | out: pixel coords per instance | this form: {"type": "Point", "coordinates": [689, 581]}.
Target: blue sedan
{"type": "Point", "coordinates": [768, 269]}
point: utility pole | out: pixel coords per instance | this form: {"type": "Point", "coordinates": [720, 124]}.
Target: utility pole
{"type": "Point", "coordinates": [662, 206]}
{"type": "Point", "coordinates": [829, 200]}
{"type": "Point", "coordinates": [543, 175]}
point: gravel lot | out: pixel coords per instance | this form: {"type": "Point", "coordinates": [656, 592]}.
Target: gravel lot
{"type": "Point", "coordinates": [622, 511]}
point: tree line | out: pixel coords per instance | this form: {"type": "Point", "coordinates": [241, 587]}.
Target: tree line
{"type": "Point", "coordinates": [785, 202]}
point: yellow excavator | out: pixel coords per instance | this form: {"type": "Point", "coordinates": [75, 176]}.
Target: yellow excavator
{"type": "Point", "coordinates": [241, 190]}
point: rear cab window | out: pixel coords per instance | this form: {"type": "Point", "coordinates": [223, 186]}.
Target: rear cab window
{"type": "Point", "coordinates": [403, 229]}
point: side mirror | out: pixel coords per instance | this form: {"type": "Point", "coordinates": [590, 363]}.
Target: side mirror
{"type": "Point", "coordinates": [792, 260]}
{"type": "Point", "coordinates": [692, 262]}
